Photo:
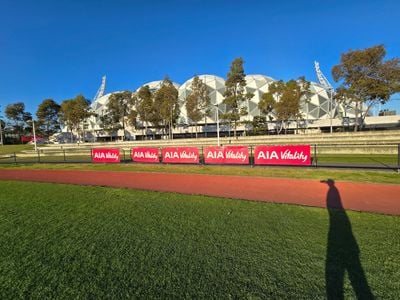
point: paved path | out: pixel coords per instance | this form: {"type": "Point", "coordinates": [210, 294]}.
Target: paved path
{"type": "Point", "coordinates": [381, 198]}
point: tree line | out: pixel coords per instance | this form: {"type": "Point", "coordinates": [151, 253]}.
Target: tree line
{"type": "Point", "coordinates": [364, 78]}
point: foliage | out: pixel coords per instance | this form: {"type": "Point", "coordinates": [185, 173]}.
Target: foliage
{"type": "Point", "coordinates": [48, 117]}
{"type": "Point", "coordinates": [285, 99]}
{"type": "Point", "coordinates": [166, 104]}
{"type": "Point", "coordinates": [145, 108]}
{"type": "Point", "coordinates": [235, 95]}
{"type": "Point", "coordinates": [366, 78]}
{"type": "Point", "coordinates": [16, 112]}
{"type": "Point", "coordinates": [119, 107]}
{"type": "Point", "coordinates": [198, 102]}
{"type": "Point", "coordinates": [74, 112]}
{"type": "Point", "coordinates": [72, 242]}
{"type": "Point", "coordinates": [259, 124]}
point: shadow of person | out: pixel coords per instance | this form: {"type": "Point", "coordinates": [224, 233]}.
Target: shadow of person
{"type": "Point", "coordinates": [343, 253]}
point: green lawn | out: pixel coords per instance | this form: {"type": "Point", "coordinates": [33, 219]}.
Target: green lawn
{"type": "Point", "coordinates": [286, 172]}
{"type": "Point", "coordinates": [62, 241]}
{"type": "Point", "coordinates": [11, 149]}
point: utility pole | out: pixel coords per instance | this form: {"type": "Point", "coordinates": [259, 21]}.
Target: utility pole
{"type": "Point", "coordinates": [34, 134]}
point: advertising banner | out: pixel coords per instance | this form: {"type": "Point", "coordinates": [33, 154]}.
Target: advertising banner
{"type": "Point", "coordinates": [145, 155]}
{"type": "Point", "coordinates": [180, 155]}
{"type": "Point", "coordinates": [105, 155]}
{"type": "Point", "coordinates": [226, 155]}
{"type": "Point", "coordinates": [299, 155]}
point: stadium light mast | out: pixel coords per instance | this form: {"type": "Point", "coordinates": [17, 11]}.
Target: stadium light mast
{"type": "Point", "coordinates": [101, 90]}
{"type": "Point", "coordinates": [326, 84]}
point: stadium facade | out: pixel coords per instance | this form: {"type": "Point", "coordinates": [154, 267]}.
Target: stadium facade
{"type": "Point", "coordinates": [318, 107]}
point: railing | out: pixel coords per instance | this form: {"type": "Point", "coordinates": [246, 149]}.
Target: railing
{"type": "Point", "coordinates": [365, 156]}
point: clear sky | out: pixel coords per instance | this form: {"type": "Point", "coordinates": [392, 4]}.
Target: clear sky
{"type": "Point", "coordinates": [60, 48]}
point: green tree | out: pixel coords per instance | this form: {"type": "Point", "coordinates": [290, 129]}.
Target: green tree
{"type": "Point", "coordinates": [74, 112]}
{"type": "Point", "coordinates": [266, 106]}
{"type": "Point", "coordinates": [366, 78]}
{"type": "Point", "coordinates": [144, 103]}
{"type": "Point", "coordinates": [166, 105]}
{"type": "Point", "coordinates": [48, 117]}
{"type": "Point", "coordinates": [108, 125]}
{"type": "Point", "coordinates": [118, 107]}
{"type": "Point", "coordinates": [235, 95]}
{"type": "Point", "coordinates": [198, 102]}
{"type": "Point", "coordinates": [16, 112]}
{"type": "Point", "coordinates": [288, 98]}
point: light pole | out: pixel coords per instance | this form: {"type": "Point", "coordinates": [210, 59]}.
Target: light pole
{"type": "Point", "coordinates": [1, 133]}
{"type": "Point", "coordinates": [216, 106]}
{"type": "Point", "coordinates": [330, 108]}
{"type": "Point", "coordinates": [34, 134]}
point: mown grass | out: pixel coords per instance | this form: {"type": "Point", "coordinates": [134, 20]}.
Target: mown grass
{"type": "Point", "coordinates": [283, 172]}
{"type": "Point", "coordinates": [11, 149]}
{"type": "Point", "coordinates": [359, 159]}
{"type": "Point", "coordinates": [62, 241]}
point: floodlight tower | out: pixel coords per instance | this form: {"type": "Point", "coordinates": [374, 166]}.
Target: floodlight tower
{"type": "Point", "coordinates": [326, 84]}
{"type": "Point", "coordinates": [101, 89]}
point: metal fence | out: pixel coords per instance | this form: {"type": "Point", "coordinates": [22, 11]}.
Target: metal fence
{"type": "Point", "coordinates": [363, 156]}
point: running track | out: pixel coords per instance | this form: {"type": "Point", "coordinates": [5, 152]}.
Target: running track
{"type": "Point", "coordinates": [381, 198]}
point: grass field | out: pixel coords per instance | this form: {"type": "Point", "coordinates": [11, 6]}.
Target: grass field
{"type": "Point", "coordinates": [286, 172]}
{"type": "Point", "coordinates": [10, 149]}
{"type": "Point", "coordinates": [61, 241]}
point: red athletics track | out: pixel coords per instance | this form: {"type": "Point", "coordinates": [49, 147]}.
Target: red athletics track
{"type": "Point", "coordinates": [381, 198]}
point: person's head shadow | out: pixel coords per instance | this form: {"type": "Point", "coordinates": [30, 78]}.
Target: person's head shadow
{"type": "Point", "coordinates": [333, 199]}
{"type": "Point", "coordinates": [343, 253]}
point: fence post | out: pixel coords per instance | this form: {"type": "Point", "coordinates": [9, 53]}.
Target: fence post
{"type": "Point", "coordinates": [38, 155]}
{"type": "Point", "coordinates": [15, 158]}
{"type": "Point", "coordinates": [123, 152]}
{"type": "Point", "coordinates": [65, 159]}
{"type": "Point", "coordinates": [202, 161]}
{"type": "Point", "coordinates": [315, 156]}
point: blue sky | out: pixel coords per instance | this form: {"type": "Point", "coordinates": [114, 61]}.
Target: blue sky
{"type": "Point", "coordinates": [58, 49]}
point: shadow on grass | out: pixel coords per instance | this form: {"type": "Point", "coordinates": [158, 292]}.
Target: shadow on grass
{"type": "Point", "coordinates": [343, 253]}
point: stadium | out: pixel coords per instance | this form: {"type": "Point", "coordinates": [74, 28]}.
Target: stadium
{"type": "Point", "coordinates": [317, 110]}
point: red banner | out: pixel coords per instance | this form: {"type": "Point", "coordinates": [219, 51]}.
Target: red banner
{"type": "Point", "coordinates": [106, 155]}
{"type": "Point", "coordinates": [283, 155]}
{"type": "Point", "coordinates": [145, 155]}
{"type": "Point", "coordinates": [226, 155]}
{"type": "Point", "coordinates": [180, 155]}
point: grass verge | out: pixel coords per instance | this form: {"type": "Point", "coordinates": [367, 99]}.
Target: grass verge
{"type": "Point", "coordinates": [95, 242]}
{"type": "Point", "coordinates": [284, 172]}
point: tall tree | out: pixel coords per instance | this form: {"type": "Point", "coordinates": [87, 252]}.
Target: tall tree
{"type": "Point", "coordinates": [118, 107]}
{"type": "Point", "coordinates": [198, 102]}
{"type": "Point", "coordinates": [287, 97]}
{"type": "Point", "coordinates": [144, 103]}
{"type": "Point", "coordinates": [235, 95]}
{"type": "Point", "coordinates": [167, 105]}
{"type": "Point", "coordinates": [266, 106]}
{"type": "Point", "coordinates": [366, 78]}
{"type": "Point", "coordinates": [16, 113]}
{"type": "Point", "coordinates": [48, 116]}
{"type": "Point", "coordinates": [74, 112]}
